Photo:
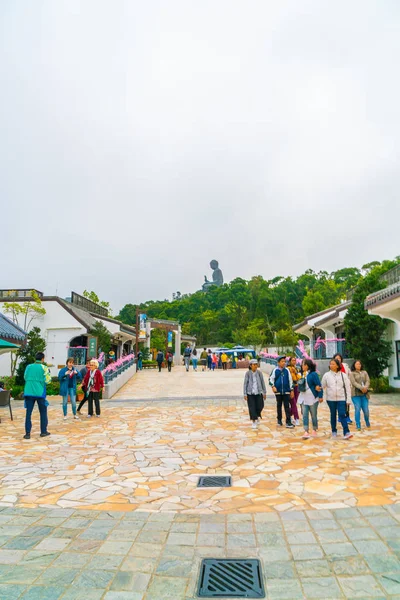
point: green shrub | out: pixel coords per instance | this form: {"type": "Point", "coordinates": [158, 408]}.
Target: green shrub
{"type": "Point", "coordinates": [149, 363]}
{"type": "Point", "coordinates": [53, 388]}
{"type": "Point", "coordinates": [9, 382]}
{"type": "Point", "coordinates": [16, 391]}
{"type": "Point", "coordinates": [380, 385]}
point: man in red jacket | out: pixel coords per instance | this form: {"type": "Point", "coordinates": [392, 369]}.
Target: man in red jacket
{"type": "Point", "coordinates": [94, 384]}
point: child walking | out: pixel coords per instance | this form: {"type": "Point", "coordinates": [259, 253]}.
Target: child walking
{"type": "Point", "coordinates": [282, 386]}
{"type": "Point", "coordinates": [255, 392]}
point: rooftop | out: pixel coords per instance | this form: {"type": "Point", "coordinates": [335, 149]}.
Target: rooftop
{"type": "Point", "coordinates": [9, 330]}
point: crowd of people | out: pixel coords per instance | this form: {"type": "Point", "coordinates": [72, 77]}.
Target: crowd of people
{"type": "Point", "coordinates": [37, 376]}
{"type": "Point", "coordinates": [302, 387]}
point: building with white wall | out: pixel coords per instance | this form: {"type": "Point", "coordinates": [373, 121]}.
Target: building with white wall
{"type": "Point", "coordinates": [66, 326]}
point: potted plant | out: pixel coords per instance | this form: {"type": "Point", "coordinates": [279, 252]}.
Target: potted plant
{"type": "Point", "coordinates": [79, 393]}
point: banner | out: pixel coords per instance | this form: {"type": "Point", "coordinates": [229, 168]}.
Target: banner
{"type": "Point", "coordinates": [169, 339]}
{"type": "Point", "coordinates": [142, 325]}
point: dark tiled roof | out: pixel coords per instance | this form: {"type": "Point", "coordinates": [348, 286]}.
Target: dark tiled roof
{"type": "Point", "coordinates": [9, 330]}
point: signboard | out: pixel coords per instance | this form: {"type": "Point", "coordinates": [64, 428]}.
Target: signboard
{"type": "Point", "coordinates": [142, 325]}
{"type": "Point", "coordinates": [92, 347]}
{"type": "Point", "coordinates": [169, 339]}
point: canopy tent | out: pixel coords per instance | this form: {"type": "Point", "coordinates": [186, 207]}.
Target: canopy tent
{"type": "Point", "coordinates": [237, 350]}
{"type": "Point", "coordinates": [7, 346]}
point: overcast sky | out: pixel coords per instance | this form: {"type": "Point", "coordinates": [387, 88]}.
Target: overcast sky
{"type": "Point", "coordinates": [139, 140]}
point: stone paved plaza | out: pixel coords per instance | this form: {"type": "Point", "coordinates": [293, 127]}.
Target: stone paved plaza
{"type": "Point", "coordinates": [109, 508]}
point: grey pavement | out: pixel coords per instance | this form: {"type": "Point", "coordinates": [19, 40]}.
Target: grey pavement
{"type": "Point", "coordinates": [49, 554]}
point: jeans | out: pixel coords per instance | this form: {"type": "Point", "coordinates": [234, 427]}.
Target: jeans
{"type": "Point", "coordinates": [169, 366]}
{"type": "Point", "coordinates": [194, 363]}
{"type": "Point", "coordinates": [139, 364]}
{"type": "Point", "coordinates": [224, 366]}
{"type": "Point", "coordinates": [209, 362]}
{"type": "Point", "coordinates": [338, 407]}
{"type": "Point", "coordinates": [361, 404]}
{"type": "Point", "coordinates": [255, 403]}
{"type": "Point", "coordinates": [187, 362]}
{"type": "Point", "coordinates": [313, 409]}
{"type": "Point", "coordinates": [159, 366]}
{"type": "Point", "coordinates": [213, 365]}
{"type": "Point", "coordinates": [96, 397]}
{"type": "Point", "coordinates": [72, 395]}
{"type": "Point", "coordinates": [285, 400]}
{"type": "Point", "coordinates": [30, 403]}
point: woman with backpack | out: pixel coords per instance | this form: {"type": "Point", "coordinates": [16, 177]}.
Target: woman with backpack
{"type": "Point", "coordinates": [170, 358]}
{"type": "Point", "coordinates": [310, 395]}
{"type": "Point", "coordinates": [336, 386]}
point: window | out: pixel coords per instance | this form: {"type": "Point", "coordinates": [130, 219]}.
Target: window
{"type": "Point", "coordinates": [398, 357]}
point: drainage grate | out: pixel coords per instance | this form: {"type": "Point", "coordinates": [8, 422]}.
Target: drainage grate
{"type": "Point", "coordinates": [214, 481]}
{"type": "Point", "coordinates": [233, 578]}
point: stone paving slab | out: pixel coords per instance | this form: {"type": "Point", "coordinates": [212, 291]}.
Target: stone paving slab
{"type": "Point", "coordinates": [294, 565]}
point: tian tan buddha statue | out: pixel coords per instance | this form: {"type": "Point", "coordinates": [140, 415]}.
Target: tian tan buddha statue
{"type": "Point", "coordinates": [217, 277]}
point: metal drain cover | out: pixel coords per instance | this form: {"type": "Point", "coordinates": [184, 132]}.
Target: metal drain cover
{"type": "Point", "coordinates": [214, 481]}
{"type": "Point", "coordinates": [231, 578]}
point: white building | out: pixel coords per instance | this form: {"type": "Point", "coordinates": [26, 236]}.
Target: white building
{"type": "Point", "coordinates": [66, 327]}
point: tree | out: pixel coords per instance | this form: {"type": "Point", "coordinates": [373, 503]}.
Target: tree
{"type": "Point", "coordinates": [27, 353]}
{"type": "Point", "coordinates": [286, 339]}
{"type": "Point", "coordinates": [104, 337]}
{"type": "Point", "coordinates": [365, 334]}
{"type": "Point", "coordinates": [94, 298]}
{"type": "Point", "coordinates": [23, 313]}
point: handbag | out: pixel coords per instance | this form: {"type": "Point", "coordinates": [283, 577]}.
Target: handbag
{"type": "Point", "coordinates": [302, 384]}
{"type": "Point", "coordinates": [344, 387]}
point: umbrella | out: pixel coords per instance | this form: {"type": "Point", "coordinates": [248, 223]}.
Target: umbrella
{"type": "Point", "coordinates": [7, 346]}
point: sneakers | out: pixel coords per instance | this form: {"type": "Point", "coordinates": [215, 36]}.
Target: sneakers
{"type": "Point", "coordinates": [89, 416]}
{"type": "Point", "coordinates": [334, 434]}
{"type": "Point", "coordinates": [348, 436]}
{"type": "Point", "coordinates": [65, 418]}
{"type": "Point", "coordinates": [306, 435]}
{"type": "Point", "coordinates": [254, 425]}
{"type": "Point", "coordinates": [280, 423]}
{"type": "Point", "coordinates": [44, 434]}
{"type": "Point", "coordinates": [359, 428]}
{"type": "Point", "coordinates": [76, 417]}
{"type": "Point", "coordinates": [98, 416]}
{"type": "Point", "coordinates": [27, 436]}
{"type": "Point", "coordinates": [289, 426]}
{"type": "Point", "coordinates": [297, 422]}
{"type": "Point", "coordinates": [349, 421]}
{"type": "Point", "coordinates": [314, 433]}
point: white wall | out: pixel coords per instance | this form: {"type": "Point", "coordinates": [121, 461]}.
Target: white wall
{"type": "Point", "coordinates": [393, 335]}
{"type": "Point", "coordinates": [116, 384]}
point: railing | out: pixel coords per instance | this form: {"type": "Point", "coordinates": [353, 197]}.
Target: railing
{"type": "Point", "coordinates": [115, 369]}
{"type": "Point", "coordinates": [269, 361]}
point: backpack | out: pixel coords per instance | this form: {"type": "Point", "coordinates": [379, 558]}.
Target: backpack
{"type": "Point", "coordinates": [187, 352]}
{"type": "Point", "coordinates": [170, 357]}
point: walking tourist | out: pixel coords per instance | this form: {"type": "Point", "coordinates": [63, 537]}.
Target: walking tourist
{"type": "Point", "coordinates": [209, 359]}
{"type": "Point", "coordinates": [67, 377]}
{"type": "Point", "coordinates": [36, 377]}
{"type": "Point", "coordinates": [282, 386]}
{"type": "Point", "coordinates": [292, 366]}
{"type": "Point", "coordinates": [336, 386]}
{"type": "Point", "coordinates": [345, 369]}
{"type": "Point", "coordinates": [359, 380]}
{"type": "Point", "coordinates": [255, 392]}
{"type": "Point", "coordinates": [214, 361]}
{"type": "Point", "coordinates": [83, 372]}
{"type": "Point", "coordinates": [203, 359]}
{"type": "Point", "coordinates": [224, 361]}
{"type": "Point", "coordinates": [186, 355]}
{"type": "Point", "coordinates": [170, 359]}
{"type": "Point", "coordinates": [94, 384]}
{"type": "Point", "coordinates": [195, 359]}
{"type": "Point", "coordinates": [310, 392]}
{"type": "Point", "coordinates": [140, 360]}
{"type": "Point", "coordinates": [160, 359]}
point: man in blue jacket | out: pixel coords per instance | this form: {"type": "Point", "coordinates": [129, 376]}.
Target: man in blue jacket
{"type": "Point", "coordinates": [282, 385]}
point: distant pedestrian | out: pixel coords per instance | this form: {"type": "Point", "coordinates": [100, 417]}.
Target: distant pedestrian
{"type": "Point", "coordinates": [310, 392]}
{"type": "Point", "coordinates": [360, 383]}
{"type": "Point", "coordinates": [36, 377]}
{"type": "Point", "coordinates": [282, 386]}
{"type": "Point", "coordinates": [345, 369]}
{"type": "Point", "coordinates": [83, 372]}
{"type": "Point", "coordinates": [336, 386]}
{"type": "Point", "coordinates": [94, 384]}
{"type": "Point", "coordinates": [255, 392]}
{"type": "Point", "coordinates": [170, 359]}
{"type": "Point", "coordinates": [292, 366]}
{"type": "Point", "coordinates": [187, 353]}
{"type": "Point", "coordinates": [160, 359]}
{"type": "Point", "coordinates": [140, 360]}
{"type": "Point", "coordinates": [68, 377]}
{"type": "Point", "coordinates": [209, 359]}
{"type": "Point", "coordinates": [203, 359]}
{"type": "Point", "coordinates": [224, 361]}
{"type": "Point", "coordinates": [194, 359]}
{"type": "Point", "coordinates": [214, 361]}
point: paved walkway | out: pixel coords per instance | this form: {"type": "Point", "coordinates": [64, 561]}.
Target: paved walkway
{"type": "Point", "coordinates": [108, 508]}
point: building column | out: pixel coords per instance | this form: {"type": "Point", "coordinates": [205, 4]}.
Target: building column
{"type": "Point", "coordinates": [148, 333]}
{"type": "Point", "coordinates": [331, 347]}
{"type": "Point", "coordinates": [177, 355]}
